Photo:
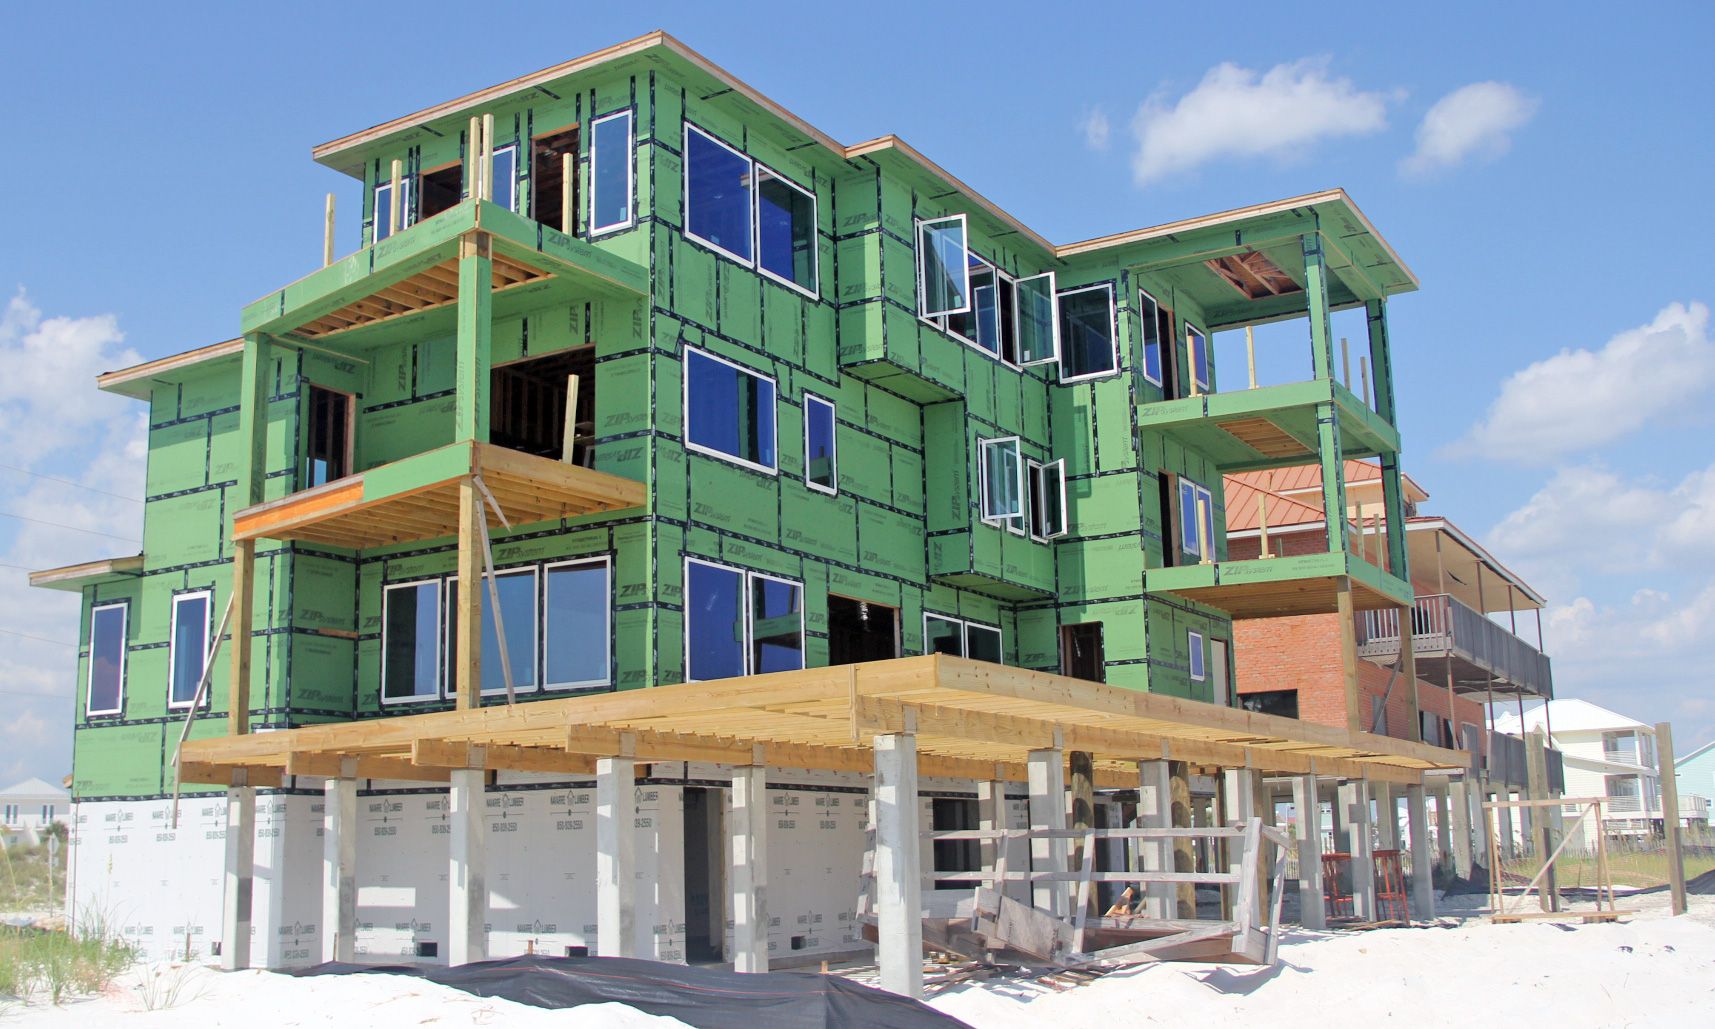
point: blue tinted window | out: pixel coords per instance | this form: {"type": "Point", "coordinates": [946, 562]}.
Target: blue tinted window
{"type": "Point", "coordinates": [1150, 316]}
{"type": "Point", "coordinates": [1086, 332]}
{"type": "Point", "coordinates": [717, 194]}
{"type": "Point", "coordinates": [786, 230]}
{"type": "Point", "coordinates": [518, 610]}
{"type": "Point", "coordinates": [714, 621]}
{"type": "Point", "coordinates": [730, 410]}
{"type": "Point", "coordinates": [384, 207]}
{"type": "Point", "coordinates": [777, 625]}
{"type": "Point", "coordinates": [610, 175]}
{"type": "Point", "coordinates": [577, 620]}
{"type": "Point", "coordinates": [106, 659]}
{"type": "Point", "coordinates": [819, 460]}
{"type": "Point", "coordinates": [410, 642]}
{"type": "Point", "coordinates": [190, 645]}
{"type": "Point", "coordinates": [505, 191]}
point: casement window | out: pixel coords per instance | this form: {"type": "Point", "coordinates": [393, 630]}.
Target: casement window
{"type": "Point", "coordinates": [979, 324]}
{"type": "Point", "coordinates": [411, 641]}
{"type": "Point", "coordinates": [1047, 483]}
{"type": "Point", "coordinates": [106, 687]}
{"type": "Point", "coordinates": [821, 459]}
{"type": "Point", "coordinates": [943, 267]}
{"type": "Point", "coordinates": [1196, 504]}
{"type": "Point", "coordinates": [1087, 333]}
{"type": "Point", "coordinates": [578, 624]}
{"type": "Point", "coordinates": [505, 172]}
{"type": "Point", "coordinates": [517, 591]}
{"type": "Point", "coordinates": [327, 437]}
{"type": "Point", "coordinates": [383, 211]}
{"type": "Point", "coordinates": [943, 634]}
{"type": "Point", "coordinates": [718, 195]}
{"type": "Point", "coordinates": [1002, 474]}
{"type": "Point", "coordinates": [188, 647]}
{"type": "Point", "coordinates": [785, 231]}
{"type": "Point", "coordinates": [611, 170]}
{"type": "Point", "coordinates": [1198, 660]}
{"type": "Point", "coordinates": [729, 412]}
{"type": "Point", "coordinates": [1149, 315]}
{"type": "Point", "coordinates": [1197, 350]}
{"type": "Point", "coordinates": [740, 623]}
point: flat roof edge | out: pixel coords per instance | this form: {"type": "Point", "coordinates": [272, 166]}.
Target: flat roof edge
{"type": "Point", "coordinates": [128, 381]}
{"type": "Point", "coordinates": [75, 577]}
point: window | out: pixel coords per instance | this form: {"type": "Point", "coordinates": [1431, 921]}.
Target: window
{"type": "Point", "coordinates": [960, 638]}
{"type": "Point", "coordinates": [1002, 480]}
{"type": "Point", "coordinates": [189, 647]}
{"type": "Point", "coordinates": [717, 195]}
{"type": "Point", "coordinates": [11, 814]}
{"type": "Point", "coordinates": [1047, 500]}
{"type": "Point", "coordinates": [1149, 314]}
{"type": "Point", "coordinates": [1038, 325]}
{"type": "Point", "coordinates": [106, 694]}
{"type": "Point", "coordinates": [577, 622]}
{"type": "Point", "coordinates": [505, 172]}
{"type": "Point", "coordinates": [411, 641]}
{"type": "Point", "coordinates": [1196, 505]}
{"type": "Point", "coordinates": [1087, 333]}
{"type": "Point", "coordinates": [517, 591]}
{"type": "Point", "coordinates": [1194, 645]}
{"type": "Point", "coordinates": [1283, 703]}
{"type": "Point", "coordinates": [943, 267]}
{"type": "Point", "coordinates": [327, 439]}
{"type": "Point", "coordinates": [610, 173]}
{"type": "Point", "coordinates": [740, 623]}
{"type": "Point", "coordinates": [440, 190]}
{"type": "Point", "coordinates": [979, 325]}
{"type": "Point", "coordinates": [47, 813]}
{"type": "Point", "coordinates": [383, 207]}
{"type": "Point", "coordinates": [729, 411]}
{"type": "Point", "coordinates": [785, 231]}
{"type": "Point", "coordinates": [821, 464]}
{"type": "Point", "coordinates": [1197, 349]}
{"type": "Point", "coordinates": [860, 630]}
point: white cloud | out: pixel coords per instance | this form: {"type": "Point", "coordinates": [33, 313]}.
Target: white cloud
{"type": "Point", "coordinates": [1581, 399]}
{"type": "Point", "coordinates": [1096, 129]}
{"type": "Point", "coordinates": [1472, 121]}
{"type": "Point", "coordinates": [1238, 112]}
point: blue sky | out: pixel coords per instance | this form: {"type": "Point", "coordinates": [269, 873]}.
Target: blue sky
{"type": "Point", "coordinates": [1554, 399]}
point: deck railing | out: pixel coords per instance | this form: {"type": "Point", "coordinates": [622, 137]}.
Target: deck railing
{"type": "Point", "coordinates": [1442, 626]}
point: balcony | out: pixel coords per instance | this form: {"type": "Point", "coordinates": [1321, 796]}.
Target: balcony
{"type": "Point", "coordinates": [1269, 426]}
{"type": "Point", "coordinates": [1508, 763]}
{"type": "Point", "coordinates": [1275, 587]}
{"type": "Point", "coordinates": [1454, 643]}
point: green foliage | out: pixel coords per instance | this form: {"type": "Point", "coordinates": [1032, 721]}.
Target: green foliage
{"type": "Point", "coordinates": [27, 882]}
{"type": "Point", "coordinates": [56, 965]}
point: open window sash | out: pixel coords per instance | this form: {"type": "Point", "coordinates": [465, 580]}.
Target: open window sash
{"type": "Point", "coordinates": [1038, 320]}
{"type": "Point", "coordinates": [1048, 500]}
{"type": "Point", "coordinates": [1002, 481]}
{"type": "Point", "coordinates": [943, 267]}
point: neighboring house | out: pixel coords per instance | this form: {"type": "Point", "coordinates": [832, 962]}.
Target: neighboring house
{"type": "Point", "coordinates": [32, 805]}
{"type": "Point", "coordinates": [1695, 773]}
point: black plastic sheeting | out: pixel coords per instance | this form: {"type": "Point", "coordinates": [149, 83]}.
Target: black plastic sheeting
{"type": "Point", "coordinates": [709, 998]}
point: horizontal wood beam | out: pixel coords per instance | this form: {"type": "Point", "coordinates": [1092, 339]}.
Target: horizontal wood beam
{"type": "Point", "coordinates": [206, 774]}
{"type": "Point", "coordinates": [327, 765]}
{"type": "Point", "coordinates": [450, 754]}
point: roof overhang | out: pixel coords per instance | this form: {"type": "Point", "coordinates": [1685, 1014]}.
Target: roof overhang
{"type": "Point", "coordinates": [138, 380]}
{"type": "Point", "coordinates": [1510, 593]}
{"type": "Point", "coordinates": [90, 573]}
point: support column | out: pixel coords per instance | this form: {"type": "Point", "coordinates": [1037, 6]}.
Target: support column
{"type": "Point", "coordinates": [1422, 864]}
{"type": "Point", "coordinates": [748, 832]}
{"type": "Point", "coordinates": [1387, 815]}
{"type": "Point", "coordinates": [1667, 769]}
{"type": "Point", "coordinates": [467, 619]}
{"type": "Point", "coordinates": [1536, 764]}
{"type": "Point", "coordinates": [615, 853]}
{"type": "Point", "coordinates": [339, 869]}
{"type": "Point", "coordinates": [1347, 616]}
{"type": "Point", "coordinates": [1443, 828]}
{"type": "Point", "coordinates": [1083, 813]}
{"type": "Point", "coordinates": [1238, 795]}
{"type": "Point", "coordinates": [1504, 820]}
{"type": "Point", "coordinates": [994, 813]}
{"type": "Point", "coordinates": [240, 878]}
{"type": "Point", "coordinates": [1047, 772]}
{"type": "Point", "coordinates": [467, 868]}
{"type": "Point", "coordinates": [1155, 811]}
{"type": "Point", "coordinates": [1307, 802]}
{"type": "Point", "coordinates": [898, 863]}
{"type": "Point", "coordinates": [1460, 829]}
{"type": "Point", "coordinates": [1184, 854]}
{"type": "Point", "coordinates": [473, 358]}
{"type": "Point", "coordinates": [1355, 801]}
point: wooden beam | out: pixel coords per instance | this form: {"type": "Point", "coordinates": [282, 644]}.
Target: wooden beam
{"type": "Point", "coordinates": [467, 625]}
{"type": "Point", "coordinates": [449, 754]}
{"type": "Point", "coordinates": [229, 775]}
{"type": "Point", "coordinates": [326, 765]}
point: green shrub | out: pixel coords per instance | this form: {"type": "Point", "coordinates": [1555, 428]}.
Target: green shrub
{"type": "Point", "coordinates": [59, 965]}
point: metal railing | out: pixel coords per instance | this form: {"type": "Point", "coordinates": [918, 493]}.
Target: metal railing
{"type": "Point", "coordinates": [1442, 626]}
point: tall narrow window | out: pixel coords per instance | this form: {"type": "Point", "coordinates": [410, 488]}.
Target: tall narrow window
{"type": "Point", "coordinates": [383, 207]}
{"type": "Point", "coordinates": [1197, 348]}
{"type": "Point", "coordinates": [729, 411]}
{"type": "Point", "coordinates": [188, 647]}
{"type": "Point", "coordinates": [505, 171]}
{"type": "Point", "coordinates": [1196, 507]}
{"type": "Point", "coordinates": [1149, 317]}
{"type": "Point", "coordinates": [740, 623]}
{"type": "Point", "coordinates": [1038, 320]}
{"type": "Point", "coordinates": [776, 624]}
{"type": "Point", "coordinates": [718, 194]}
{"type": "Point", "coordinates": [943, 267]}
{"type": "Point", "coordinates": [1047, 500]}
{"type": "Point", "coordinates": [785, 231]}
{"type": "Point", "coordinates": [1194, 650]}
{"type": "Point", "coordinates": [1002, 479]}
{"type": "Point", "coordinates": [1087, 333]}
{"type": "Point", "coordinates": [821, 467]}
{"type": "Point", "coordinates": [980, 325]}
{"type": "Point", "coordinates": [610, 173]}
{"type": "Point", "coordinates": [327, 442]}
{"type": "Point", "coordinates": [517, 590]}
{"type": "Point", "coordinates": [578, 624]}
{"type": "Point", "coordinates": [411, 641]}
{"type": "Point", "coordinates": [106, 694]}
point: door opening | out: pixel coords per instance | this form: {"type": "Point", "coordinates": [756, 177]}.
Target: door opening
{"type": "Point", "coordinates": [861, 631]}
{"type": "Point", "coordinates": [327, 437]}
{"type": "Point", "coordinates": [705, 875]}
{"type": "Point", "coordinates": [1219, 678]}
{"type": "Point", "coordinates": [547, 179]}
{"type": "Point", "coordinates": [1081, 651]}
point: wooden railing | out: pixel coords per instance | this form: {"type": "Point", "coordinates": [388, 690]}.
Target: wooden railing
{"type": "Point", "coordinates": [1442, 626]}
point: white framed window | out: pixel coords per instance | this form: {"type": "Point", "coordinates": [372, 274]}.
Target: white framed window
{"type": "Point", "coordinates": [1002, 473]}
{"type": "Point", "coordinates": [411, 641]}
{"type": "Point", "coordinates": [821, 448]}
{"type": "Point", "coordinates": [188, 647]}
{"type": "Point", "coordinates": [383, 210]}
{"type": "Point", "coordinates": [719, 196]}
{"type": "Point", "coordinates": [1196, 505]}
{"type": "Point", "coordinates": [105, 690]}
{"type": "Point", "coordinates": [729, 412]}
{"type": "Point", "coordinates": [1197, 349]}
{"type": "Point", "coordinates": [577, 624]}
{"type": "Point", "coordinates": [739, 622]}
{"type": "Point", "coordinates": [785, 231]}
{"type": "Point", "coordinates": [1198, 661]}
{"type": "Point", "coordinates": [943, 266]}
{"type": "Point", "coordinates": [1149, 314]}
{"type": "Point", "coordinates": [1037, 320]}
{"type": "Point", "coordinates": [611, 172]}
{"type": "Point", "coordinates": [504, 169]}
{"type": "Point", "coordinates": [517, 590]}
{"type": "Point", "coordinates": [1047, 484]}
{"type": "Point", "coordinates": [1087, 333]}
{"type": "Point", "coordinates": [944, 634]}
{"type": "Point", "coordinates": [979, 324]}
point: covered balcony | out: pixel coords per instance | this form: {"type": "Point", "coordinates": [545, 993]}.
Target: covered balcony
{"type": "Point", "coordinates": [1454, 643]}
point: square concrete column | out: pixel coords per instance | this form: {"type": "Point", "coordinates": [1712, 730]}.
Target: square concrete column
{"type": "Point", "coordinates": [1504, 820]}
{"type": "Point", "coordinates": [1422, 871]}
{"type": "Point", "coordinates": [1479, 822]}
{"type": "Point", "coordinates": [1047, 771]}
{"type": "Point", "coordinates": [1307, 802]}
{"type": "Point", "coordinates": [1238, 798]}
{"type": "Point", "coordinates": [1155, 811]}
{"type": "Point", "coordinates": [898, 865]}
{"type": "Point", "coordinates": [1443, 827]}
{"type": "Point", "coordinates": [339, 869]}
{"type": "Point", "coordinates": [240, 881]}
{"type": "Point", "coordinates": [993, 812]}
{"type": "Point", "coordinates": [748, 838]}
{"type": "Point", "coordinates": [467, 868]}
{"type": "Point", "coordinates": [615, 857]}
{"type": "Point", "coordinates": [1355, 804]}
{"type": "Point", "coordinates": [1387, 815]}
{"type": "Point", "coordinates": [1460, 825]}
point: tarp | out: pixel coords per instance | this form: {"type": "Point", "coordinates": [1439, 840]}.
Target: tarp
{"type": "Point", "coordinates": [709, 998]}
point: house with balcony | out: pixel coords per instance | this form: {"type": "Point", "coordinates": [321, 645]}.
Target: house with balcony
{"type": "Point", "coordinates": [652, 442]}
{"type": "Point", "coordinates": [29, 808]}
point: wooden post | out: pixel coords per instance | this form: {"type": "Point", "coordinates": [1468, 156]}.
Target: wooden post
{"type": "Point", "coordinates": [569, 434]}
{"type": "Point", "coordinates": [327, 234]}
{"type": "Point", "coordinates": [1083, 768]}
{"type": "Point", "coordinates": [1668, 774]}
{"type": "Point", "coordinates": [393, 197]}
{"type": "Point", "coordinates": [1262, 524]}
{"type": "Point", "coordinates": [568, 216]}
{"type": "Point", "coordinates": [1364, 377]}
{"type": "Point", "coordinates": [467, 623]}
{"type": "Point", "coordinates": [1184, 853]}
{"type": "Point", "coordinates": [1349, 652]}
{"type": "Point", "coordinates": [488, 157]}
{"type": "Point", "coordinates": [1205, 546]}
{"type": "Point", "coordinates": [1345, 363]}
{"type": "Point", "coordinates": [473, 159]}
{"type": "Point", "coordinates": [1250, 354]}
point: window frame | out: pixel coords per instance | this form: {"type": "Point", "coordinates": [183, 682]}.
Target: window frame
{"type": "Point", "coordinates": [685, 185]}
{"type": "Point", "coordinates": [511, 180]}
{"type": "Point", "coordinates": [536, 615]}
{"type": "Point", "coordinates": [1022, 486]}
{"type": "Point", "coordinates": [1199, 492]}
{"type": "Point", "coordinates": [407, 194]}
{"type": "Point", "coordinates": [545, 638]}
{"type": "Point", "coordinates": [758, 169]}
{"type": "Point", "coordinates": [833, 443]}
{"type": "Point", "coordinates": [964, 625]}
{"type": "Point", "coordinates": [350, 455]}
{"type": "Point", "coordinates": [964, 266]}
{"type": "Point", "coordinates": [1037, 484]}
{"type": "Point", "coordinates": [750, 619]}
{"type": "Point", "coordinates": [440, 647]}
{"type": "Point", "coordinates": [746, 613]}
{"type": "Point", "coordinates": [124, 607]}
{"type": "Point", "coordinates": [1053, 319]}
{"type": "Point", "coordinates": [1113, 334]}
{"type": "Point", "coordinates": [1197, 667]}
{"type": "Point", "coordinates": [1208, 371]}
{"type": "Point", "coordinates": [206, 594]}
{"type": "Point", "coordinates": [773, 407]}
{"type": "Point", "coordinates": [630, 172]}
{"type": "Point", "coordinates": [1145, 324]}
